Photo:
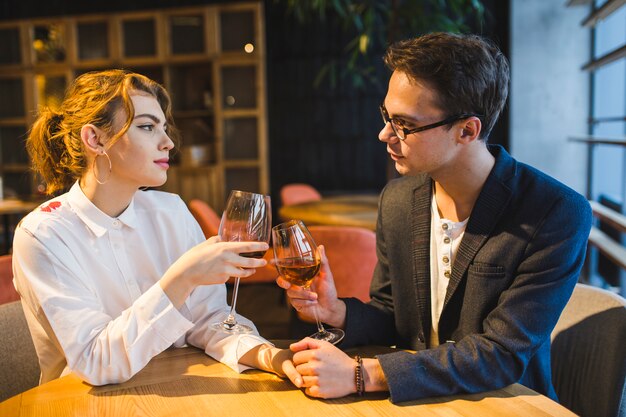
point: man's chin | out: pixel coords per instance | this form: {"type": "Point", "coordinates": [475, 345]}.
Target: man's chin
{"type": "Point", "coordinates": [405, 171]}
{"type": "Point", "coordinates": [401, 169]}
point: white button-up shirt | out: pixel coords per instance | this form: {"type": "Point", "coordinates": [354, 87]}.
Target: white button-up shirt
{"type": "Point", "coordinates": [89, 287]}
{"type": "Point", "coordinates": [445, 238]}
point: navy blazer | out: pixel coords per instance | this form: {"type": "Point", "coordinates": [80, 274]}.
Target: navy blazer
{"type": "Point", "coordinates": [515, 269]}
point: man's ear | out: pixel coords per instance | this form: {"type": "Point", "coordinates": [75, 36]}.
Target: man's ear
{"type": "Point", "coordinates": [90, 136]}
{"type": "Point", "coordinates": [470, 129]}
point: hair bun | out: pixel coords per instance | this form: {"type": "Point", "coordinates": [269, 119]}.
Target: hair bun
{"type": "Point", "coordinates": [56, 118]}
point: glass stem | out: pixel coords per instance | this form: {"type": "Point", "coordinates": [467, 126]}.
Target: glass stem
{"type": "Point", "coordinates": [320, 328]}
{"type": "Point", "coordinates": [231, 316]}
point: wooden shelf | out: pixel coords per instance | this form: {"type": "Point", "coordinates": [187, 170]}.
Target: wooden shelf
{"type": "Point", "coordinates": [237, 113]}
{"type": "Point", "coordinates": [603, 12]}
{"type": "Point", "coordinates": [15, 168]}
{"type": "Point", "coordinates": [184, 114]}
{"type": "Point", "coordinates": [241, 163]}
{"type": "Point", "coordinates": [612, 249]}
{"type": "Point", "coordinates": [189, 169]}
{"type": "Point", "coordinates": [607, 119]}
{"type": "Point", "coordinates": [189, 74]}
{"type": "Point", "coordinates": [608, 247]}
{"type": "Point", "coordinates": [13, 122]}
{"type": "Point", "coordinates": [605, 59]}
{"type": "Point", "coordinates": [596, 140]}
{"type": "Point", "coordinates": [611, 217]}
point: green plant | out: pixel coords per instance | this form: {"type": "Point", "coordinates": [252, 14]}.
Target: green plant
{"type": "Point", "coordinates": [374, 24]}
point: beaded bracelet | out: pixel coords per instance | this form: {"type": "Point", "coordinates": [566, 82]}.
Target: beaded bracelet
{"type": "Point", "coordinates": [358, 376]}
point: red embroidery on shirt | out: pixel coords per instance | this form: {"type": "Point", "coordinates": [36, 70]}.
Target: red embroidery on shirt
{"type": "Point", "coordinates": [52, 206]}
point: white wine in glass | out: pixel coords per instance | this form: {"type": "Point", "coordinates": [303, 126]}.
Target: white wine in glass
{"type": "Point", "coordinates": [248, 217]}
{"type": "Point", "coordinates": [298, 262]}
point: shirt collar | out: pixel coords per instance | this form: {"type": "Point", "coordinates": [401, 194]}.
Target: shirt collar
{"type": "Point", "coordinates": [438, 219]}
{"type": "Point", "coordinates": [98, 221]}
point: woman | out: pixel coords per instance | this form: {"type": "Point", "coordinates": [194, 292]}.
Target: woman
{"type": "Point", "coordinates": [109, 275]}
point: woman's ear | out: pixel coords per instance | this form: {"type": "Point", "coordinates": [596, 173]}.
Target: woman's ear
{"type": "Point", "coordinates": [90, 136]}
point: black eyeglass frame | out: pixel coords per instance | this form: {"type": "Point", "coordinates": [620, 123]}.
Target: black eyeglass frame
{"type": "Point", "coordinates": [407, 132]}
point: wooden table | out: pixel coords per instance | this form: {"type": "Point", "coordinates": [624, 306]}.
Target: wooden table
{"type": "Point", "coordinates": [355, 210]}
{"type": "Point", "coordinates": [13, 206]}
{"type": "Point", "coordinates": [186, 382]}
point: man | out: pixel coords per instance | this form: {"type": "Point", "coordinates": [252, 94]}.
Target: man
{"type": "Point", "coordinates": [477, 253]}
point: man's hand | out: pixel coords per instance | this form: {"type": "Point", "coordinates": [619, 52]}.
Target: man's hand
{"type": "Point", "coordinates": [324, 370]}
{"type": "Point", "coordinates": [323, 296]}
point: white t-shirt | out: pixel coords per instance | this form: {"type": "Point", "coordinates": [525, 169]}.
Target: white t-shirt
{"type": "Point", "coordinates": [445, 238]}
{"type": "Point", "coordinates": [89, 287]}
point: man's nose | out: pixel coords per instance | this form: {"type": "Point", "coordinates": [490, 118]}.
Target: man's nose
{"type": "Point", "coordinates": [387, 134]}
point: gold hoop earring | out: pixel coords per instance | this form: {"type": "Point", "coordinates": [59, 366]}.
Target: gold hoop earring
{"type": "Point", "coordinates": [95, 165]}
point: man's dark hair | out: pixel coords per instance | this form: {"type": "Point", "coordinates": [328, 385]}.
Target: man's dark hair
{"type": "Point", "coordinates": [468, 73]}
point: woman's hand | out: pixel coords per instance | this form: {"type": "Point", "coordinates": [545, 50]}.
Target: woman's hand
{"type": "Point", "coordinates": [271, 359]}
{"type": "Point", "coordinates": [323, 294]}
{"type": "Point", "coordinates": [210, 262]}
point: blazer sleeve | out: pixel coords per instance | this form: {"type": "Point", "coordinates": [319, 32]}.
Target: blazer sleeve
{"type": "Point", "coordinates": [520, 323]}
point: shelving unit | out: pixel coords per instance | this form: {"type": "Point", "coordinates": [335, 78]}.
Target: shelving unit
{"type": "Point", "coordinates": [211, 59]}
{"type": "Point", "coordinates": [606, 144]}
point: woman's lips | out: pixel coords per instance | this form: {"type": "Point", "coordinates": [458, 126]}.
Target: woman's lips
{"type": "Point", "coordinates": [163, 163]}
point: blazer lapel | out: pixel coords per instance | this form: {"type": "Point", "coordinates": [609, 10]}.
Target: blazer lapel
{"type": "Point", "coordinates": [485, 215]}
{"type": "Point", "coordinates": [420, 232]}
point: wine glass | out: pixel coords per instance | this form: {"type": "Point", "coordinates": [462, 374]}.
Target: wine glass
{"type": "Point", "coordinates": [248, 217]}
{"type": "Point", "coordinates": [298, 262]}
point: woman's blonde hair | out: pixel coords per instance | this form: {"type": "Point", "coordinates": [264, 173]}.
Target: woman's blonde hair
{"type": "Point", "coordinates": [54, 142]}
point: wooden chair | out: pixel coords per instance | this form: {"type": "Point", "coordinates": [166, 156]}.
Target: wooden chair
{"type": "Point", "coordinates": [7, 290]}
{"type": "Point", "coordinates": [209, 222]}
{"type": "Point", "coordinates": [351, 253]}
{"type": "Point", "coordinates": [296, 193]}
{"type": "Point", "coordinates": [19, 366]}
{"type": "Point", "coordinates": [267, 274]}
{"type": "Point", "coordinates": [206, 217]}
{"type": "Point", "coordinates": [588, 353]}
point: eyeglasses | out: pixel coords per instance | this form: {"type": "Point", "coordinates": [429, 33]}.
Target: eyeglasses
{"type": "Point", "coordinates": [402, 132]}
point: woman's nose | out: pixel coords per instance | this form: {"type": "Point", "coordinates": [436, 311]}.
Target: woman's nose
{"type": "Point", "coordinates": [167, 143]}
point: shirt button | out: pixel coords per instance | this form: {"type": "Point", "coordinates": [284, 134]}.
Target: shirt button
{"type": "Point", "coordinates": [446, 240]}
{"type": "Point", "coordinates": [446, 274]}
{"type": "Point", "coordinates": [116, 223]}
{"type": "Point", "coordinates": [444, 226]}
{"type": "Point", "coordinates": [445, 259]}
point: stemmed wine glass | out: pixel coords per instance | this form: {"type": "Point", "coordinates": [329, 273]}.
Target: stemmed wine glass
{"type": "Point", "coordinates": [298, 262]}
{"type": "Point", "coordinates": [248, 217]}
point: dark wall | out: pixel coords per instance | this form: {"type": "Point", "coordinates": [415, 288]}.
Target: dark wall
{"type": "Point", "coordinates": [496, 28]}
{"type": "Point", "coordinates": [325, 137]}
{"type": "Point", "coordinates": [322, 136]}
